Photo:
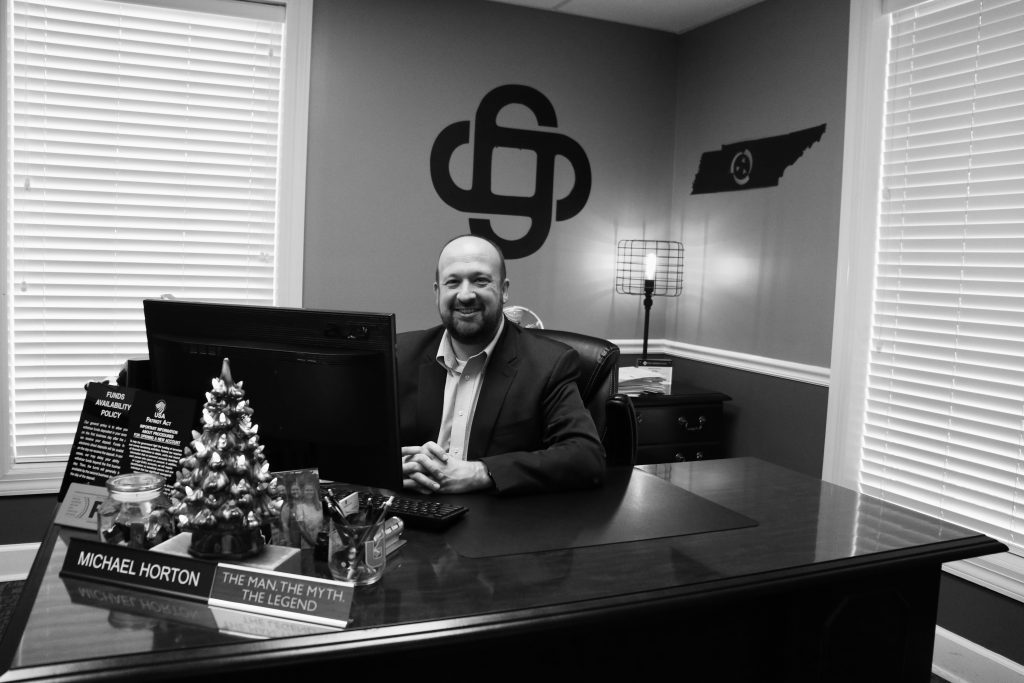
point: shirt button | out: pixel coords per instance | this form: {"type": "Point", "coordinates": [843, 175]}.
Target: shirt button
{"type": "Point", "coordinates": [461, 413]}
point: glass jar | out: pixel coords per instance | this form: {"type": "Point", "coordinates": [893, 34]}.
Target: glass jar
{"type": "Point", "coordinates": [135, 513]}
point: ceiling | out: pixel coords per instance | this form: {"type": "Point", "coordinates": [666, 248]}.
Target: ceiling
{"type": "Point", "coordinates": [674, 16]}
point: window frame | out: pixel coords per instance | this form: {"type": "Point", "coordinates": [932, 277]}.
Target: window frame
{"type": "Point", "coordinates": [45, 478]}
{"type": "Point", "coordinates": [858, 226]}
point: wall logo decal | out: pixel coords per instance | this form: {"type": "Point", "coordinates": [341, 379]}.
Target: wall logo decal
{"type": "Point", "coordinates": [488, 136]}
{"type": "Point", "coordinates": [754, 163]}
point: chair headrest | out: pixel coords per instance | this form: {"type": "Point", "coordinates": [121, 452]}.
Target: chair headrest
{"type": "Point", "coordinates": [598, 358]}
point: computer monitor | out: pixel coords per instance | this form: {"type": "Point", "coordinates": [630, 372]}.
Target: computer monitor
{"type": "Point", "coordinates": [321, 383]}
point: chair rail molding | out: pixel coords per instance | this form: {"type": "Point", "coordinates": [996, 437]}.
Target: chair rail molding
{"type": "Point", "coordinates": [798, 372]}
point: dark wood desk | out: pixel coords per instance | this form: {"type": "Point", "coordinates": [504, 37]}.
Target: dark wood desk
{"type": "Point", "coordinates": [828, 586]}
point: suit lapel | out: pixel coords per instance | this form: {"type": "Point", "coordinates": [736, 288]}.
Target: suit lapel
{"type": "Point", "coordinates": [430, 398]}
{"type": "Point", "coordinates": [501, 370]}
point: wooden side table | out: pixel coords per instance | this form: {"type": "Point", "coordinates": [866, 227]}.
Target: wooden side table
{"type": "Point", "coordinates": [678, 427]}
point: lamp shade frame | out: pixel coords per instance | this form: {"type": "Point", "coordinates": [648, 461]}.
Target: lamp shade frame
{"type": "Point", "coordinates": [630, 261]}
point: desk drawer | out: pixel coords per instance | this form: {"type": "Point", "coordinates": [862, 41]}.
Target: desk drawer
{"type": "Point", "coordinates": [677, 452]}
{"type": "Point", "coordinates": [668, 424]}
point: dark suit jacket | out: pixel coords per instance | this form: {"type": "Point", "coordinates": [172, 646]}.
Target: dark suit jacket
{"type": "Point", "coordinates": [530, 425]}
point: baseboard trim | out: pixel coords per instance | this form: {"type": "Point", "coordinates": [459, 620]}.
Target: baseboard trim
{"type": "Point", "coordinates": [798, 372]}
{"type": "Point", "coordinates": [959, 660]}
{"type": "Point", "coordinates": [16, 560]}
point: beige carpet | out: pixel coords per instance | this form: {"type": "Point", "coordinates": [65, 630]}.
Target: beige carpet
{"type": "Point", "coordinates": [9, 593]}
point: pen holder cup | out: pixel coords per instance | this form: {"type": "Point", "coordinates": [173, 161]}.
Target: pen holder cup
{"type": "Point", "coordinates": [356, 551]}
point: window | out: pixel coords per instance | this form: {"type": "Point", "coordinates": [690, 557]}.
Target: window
{"type": "Point", "coordinates": [152, 148]}
{"type": "Point", "coordinates": [927, 403]}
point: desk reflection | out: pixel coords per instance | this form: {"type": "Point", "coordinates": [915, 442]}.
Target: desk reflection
{"type": "Point", "coordinates": [436, 577]}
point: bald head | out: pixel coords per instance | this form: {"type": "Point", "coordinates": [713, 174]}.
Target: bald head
{"type": "Point", "coordinates": [471, 289]}
{"type": "Point", "coordinates": [469, 244]}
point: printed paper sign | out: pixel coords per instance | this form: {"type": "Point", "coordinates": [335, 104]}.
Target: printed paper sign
{"type": "Point", "coordinates": [128, 430]}
{"type": "Point", "coordinates": [80, 507]}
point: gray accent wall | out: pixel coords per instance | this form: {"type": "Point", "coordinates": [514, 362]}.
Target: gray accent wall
{"type": "Point", "coordinates": [388, 76]}
{"type": "Point", "coordinates": [760, 264]}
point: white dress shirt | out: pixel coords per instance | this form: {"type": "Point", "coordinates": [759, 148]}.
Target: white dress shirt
{"type": "Point", "coordinates": [461, 391]}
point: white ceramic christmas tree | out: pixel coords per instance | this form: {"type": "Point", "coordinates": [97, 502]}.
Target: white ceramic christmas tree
{"type": "Point", "coordinates": [224, 491]}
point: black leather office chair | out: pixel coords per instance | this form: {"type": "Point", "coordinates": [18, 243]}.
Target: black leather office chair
{"type": "Point", "coordinates": [613, 412]}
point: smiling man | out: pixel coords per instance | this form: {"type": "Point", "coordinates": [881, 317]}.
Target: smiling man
{"type": "Point", "coordinates": [483, 403]}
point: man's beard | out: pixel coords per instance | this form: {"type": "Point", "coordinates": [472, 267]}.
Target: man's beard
{"type": "Point", "coordinates": [476, 330]}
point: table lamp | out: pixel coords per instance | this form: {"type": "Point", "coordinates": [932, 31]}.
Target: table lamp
{"type": "Point", "coordinates": [651, 268]}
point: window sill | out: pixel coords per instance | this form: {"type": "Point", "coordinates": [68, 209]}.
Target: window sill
{"type": "Point", "coordinates": [32, 479]}
{"type": "Point", "coordinates": [1002, 573]}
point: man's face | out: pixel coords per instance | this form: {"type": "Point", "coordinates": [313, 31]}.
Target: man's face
{"type": "Point", "coordinates": [470, 290]}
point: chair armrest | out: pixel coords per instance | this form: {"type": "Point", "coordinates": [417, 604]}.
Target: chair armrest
{"type": "Point", "coordinates": [620, 437]}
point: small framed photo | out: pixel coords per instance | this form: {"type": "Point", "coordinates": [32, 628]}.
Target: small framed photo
{"type": "Point", "coordinates": [302, 515]}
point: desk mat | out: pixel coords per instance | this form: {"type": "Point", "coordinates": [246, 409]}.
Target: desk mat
{"type": "Point", "coordinates": [631, 506]}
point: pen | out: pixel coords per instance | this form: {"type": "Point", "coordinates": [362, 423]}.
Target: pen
{"type": "Point", "coordinates": [365, 536]}
{"type": "Point", "coordinates": [332, 509]}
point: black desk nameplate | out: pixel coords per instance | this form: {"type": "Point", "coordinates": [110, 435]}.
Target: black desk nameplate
{"type": "Point", "coordinates": [631, 506]}
{"type": "Point", "coordinates": [169, 574]}
{"type": "Point", "coordinates": [318, 601]}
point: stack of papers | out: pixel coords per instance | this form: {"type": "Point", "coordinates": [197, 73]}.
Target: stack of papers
{"type": "Point", "coordinates": [645, 380]}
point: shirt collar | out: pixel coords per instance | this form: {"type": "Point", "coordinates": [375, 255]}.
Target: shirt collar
{"type": "Point", "coordinates": [446, 354]}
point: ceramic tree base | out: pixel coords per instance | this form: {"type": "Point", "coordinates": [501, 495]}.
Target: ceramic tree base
{"type": "Point", "coordinates": [226, 544]}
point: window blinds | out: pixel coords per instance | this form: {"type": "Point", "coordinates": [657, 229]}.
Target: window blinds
{"type": "Point", "coordinates": [143, 144]}
{"type": "Point", "coordinates": [944, 423]}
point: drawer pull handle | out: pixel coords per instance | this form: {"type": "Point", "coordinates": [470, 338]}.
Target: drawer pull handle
{"type": "Point", "coordinates": [681, 457]}
{"type": "Point", "coordinates": [701, 421]}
